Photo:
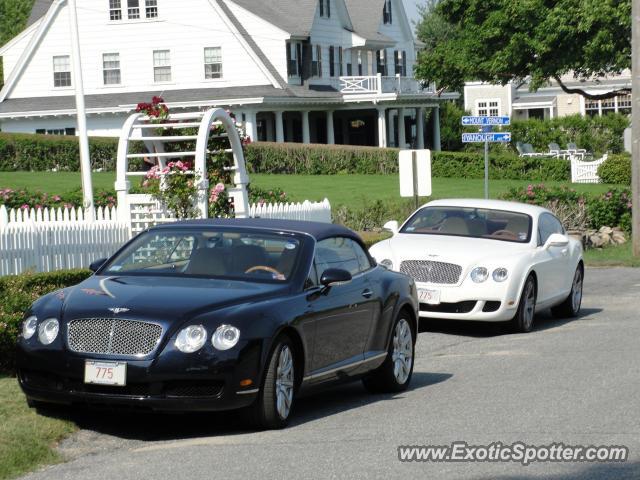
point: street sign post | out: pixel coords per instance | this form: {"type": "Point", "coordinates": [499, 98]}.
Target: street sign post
{"type": "Point", "coordinates": [486, 136]}
{"type": "Point", "coordinates": [415, 174]}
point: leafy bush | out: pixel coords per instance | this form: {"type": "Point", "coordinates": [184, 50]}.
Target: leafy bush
{"type": "Point", "coordinates": [26, 199]}
{"type": "Point", "coordinates": [595, 134]}
{"type": "Point", "coordinates": [616, 170]}
{"type": "Point", "coordinates": [373, 215]}
{"type": "Point", "coordinates": [17, 293]}
{"type": "Point", "coordinates": [42, 152]}
{"type": "Point", "coordinates": [577, 211]}
{"type": "Point", "coordinates": [299, 159]}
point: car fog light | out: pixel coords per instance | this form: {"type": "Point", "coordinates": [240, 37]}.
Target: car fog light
{"type": "Point", "coordinates": [191, 339]}
{"type": "Point", "coordinates": [48, 331]}
{"type": "Point", "coordinates": [225, 337]}
{"type": "Point", "coordinates": [479, 274]}
{"type": "Point", "coordinates": [500, 274]}
{"type": "Point", "coordinates": [29, 327]}
{"type": "Point", "coordinates": [387, 263]}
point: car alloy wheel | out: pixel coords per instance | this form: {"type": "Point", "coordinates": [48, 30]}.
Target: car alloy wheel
{"type": "Point", "coordinates": [284, 382]}
{"type": "Point", "coordinates": [529, 305]}
{"type": "Point", "coordinates": [402, 351]}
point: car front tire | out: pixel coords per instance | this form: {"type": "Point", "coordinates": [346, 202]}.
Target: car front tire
{"type": "Point", "coordinates": [523, 321]}
{"type": "Point", "coordinates": [273, 406]}
{"type": "Point", "coordinates": [572, 304]}
{"type": "Point", "coordinates": [394, 375]}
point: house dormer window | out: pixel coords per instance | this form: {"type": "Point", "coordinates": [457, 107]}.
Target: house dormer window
{"type": "Point", "coordinates": [325, 8]}
{"type": "Point", "coordinates": [387, 13]}
{"type": "Point", "coordinates": [133, 9]}
{"type": "Point", "coordinates": [294, 59]}
{"type": "Point", "coordinates": [62, 71]}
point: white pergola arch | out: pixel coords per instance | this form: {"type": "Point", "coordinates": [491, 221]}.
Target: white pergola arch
{"type": "Point", "coordinates": [139, 127]}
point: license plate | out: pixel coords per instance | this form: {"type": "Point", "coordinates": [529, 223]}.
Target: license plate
{"type": "Point", "coordinates": [105, 373]}
{"type": "Point", "coordinates": [431, 297]}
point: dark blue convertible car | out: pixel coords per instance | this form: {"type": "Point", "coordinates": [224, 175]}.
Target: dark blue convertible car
{"type": "Point", "coordinates": [222, 314]}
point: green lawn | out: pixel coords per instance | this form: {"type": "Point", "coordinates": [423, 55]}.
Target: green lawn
{"type": "Point", "coordinates": [26, 438]}
{"type": "Point", "coordinates": [354, 190]}
{"type": "Point", "coordinates": [619, 256]}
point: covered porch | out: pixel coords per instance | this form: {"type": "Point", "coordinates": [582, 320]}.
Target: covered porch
{"type": "Point", "coordinates": [381, 125]}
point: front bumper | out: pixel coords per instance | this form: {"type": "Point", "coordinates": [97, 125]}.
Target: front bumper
{"type": "Point", "coordinates": [481, 303]}
{"type": "Point", "coordinates": [175, 383]}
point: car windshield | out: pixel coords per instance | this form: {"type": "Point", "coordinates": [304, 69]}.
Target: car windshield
{"type": "Point", "coordinates": [224, 253]}
{"type": "Point", "coordinates": [470, 222]}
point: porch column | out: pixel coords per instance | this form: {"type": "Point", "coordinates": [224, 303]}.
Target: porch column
{"type": "Point", "coordinates": [279, 127]}
{"type": "Point", "coordinates": [402, 133]}
{"type": "Point", "coordinates": [331, 136]}
{"type": "Point", "coordinates": [382, 128]}
{"type": "Point", "coordinates": [392, 130]}
{"type": "Point", "coordinates": [420, 127]}
{"type": "Point", "coordinates": [306, 135]}
{"type": "Point", "coordinates": [251, 125]}
{"type": "Point", "coordinates": [436, 129]}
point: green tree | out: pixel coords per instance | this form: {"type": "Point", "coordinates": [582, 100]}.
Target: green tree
{"type": "Point", "coordinates": [499, 41]}
{"type": "Point", "coordinates": [13, 18]}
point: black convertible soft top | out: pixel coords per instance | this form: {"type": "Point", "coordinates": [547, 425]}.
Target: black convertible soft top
{"type": "Point", "coordinates": [319, 231]}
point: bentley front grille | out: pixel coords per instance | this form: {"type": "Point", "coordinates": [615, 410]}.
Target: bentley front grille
{"type": "Point", "coordinates": [112, 336]}
{"type": "Point", "coordinates": [432, 272]}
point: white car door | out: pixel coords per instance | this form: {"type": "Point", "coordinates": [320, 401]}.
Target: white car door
{"type": "Point", "coordinates": [552, 263]}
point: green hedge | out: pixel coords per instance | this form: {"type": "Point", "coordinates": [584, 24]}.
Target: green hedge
{"type": "Point", "coordinates": [30, 152]}
{"type": "Point", "coordinates": [616, 170]}
{"type": "Point", "coordinates": [17, 293]}
{"type": "Point", "coordinates": [595, 134]}
{"type": "Point", "coordinates": [292, 158]}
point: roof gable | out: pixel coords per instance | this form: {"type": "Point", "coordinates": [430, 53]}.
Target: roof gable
{"type": "Point", "coordinates": [293, 16]}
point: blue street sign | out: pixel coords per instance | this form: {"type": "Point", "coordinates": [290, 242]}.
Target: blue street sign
{"type": "Point", "coordinates": [486, 137]}
{"type": "Point", "coordinates": [470, 121]}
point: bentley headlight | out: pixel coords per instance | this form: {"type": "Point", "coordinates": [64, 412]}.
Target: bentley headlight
{"type": "Point", "coordinates": [191, 339]}
{"type": "Point", "coordinates": [500, 274]}
{"type": "Point", "coordinates": [225, 337]}
{"type": "Point", "coordinates": [48, 331]}
{"type": "Point", "coordinates": [387, 263]}
{"type": "Point", "coordinates": [479, 274]}
{"type": "Point", "coordinates": [29, 327]}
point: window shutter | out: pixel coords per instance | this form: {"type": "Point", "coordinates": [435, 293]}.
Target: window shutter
{"type": "Point", "coordinates": [328, 8]}
{"type": "Point", "coordinates": [390, 12]}
{"type": "Point", "coordinates": [289, 72]}
{"type": "Point", "coordinates": [404, 63]}
{"type": "Point", "coordinates": [332, 71]}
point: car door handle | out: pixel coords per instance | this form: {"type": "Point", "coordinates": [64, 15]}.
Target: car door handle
{"type": "Point", "coordinates": [367, 293]}
{"type": "Point", "coordinates": [565, 251]}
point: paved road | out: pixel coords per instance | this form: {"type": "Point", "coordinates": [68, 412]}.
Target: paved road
{"type": "Point", "coordinates": [576, 382]}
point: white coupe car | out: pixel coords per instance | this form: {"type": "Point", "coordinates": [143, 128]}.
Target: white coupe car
{"type": "Point", "coordinates": [487, 260]}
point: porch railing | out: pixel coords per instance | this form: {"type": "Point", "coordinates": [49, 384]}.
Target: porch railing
{"type": "Point", "coordinates": [379, 84]}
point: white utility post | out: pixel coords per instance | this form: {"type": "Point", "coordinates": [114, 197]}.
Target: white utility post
{"type": "Point", "coordinates": [635, 121]}
{"type": "Point", "coordinates": [85, 160]}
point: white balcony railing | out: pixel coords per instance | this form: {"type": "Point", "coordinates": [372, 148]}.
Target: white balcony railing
{"type": "Point", "coordinates": [378, 84]}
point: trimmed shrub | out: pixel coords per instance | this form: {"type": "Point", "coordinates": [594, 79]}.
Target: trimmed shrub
{"type": "Point", "coordinates": [295, 158]}
{"type": "Point", "coordinates": [17, 293]}
{"type": "Point", "coordinates": [595, 134]}
{"type": "Point", "coordinates": [616, 170]}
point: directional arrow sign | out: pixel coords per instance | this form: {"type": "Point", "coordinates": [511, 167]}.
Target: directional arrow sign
{"type": "Point", "coordinates": [470, 121]}
{"type": "Point", "coordinates": [486, 137]}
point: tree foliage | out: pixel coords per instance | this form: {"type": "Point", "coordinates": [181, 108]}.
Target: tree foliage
{"type": "Point", "coordinates": [499, 41]}
{"type": "Point", "coordinates": [13, 18]}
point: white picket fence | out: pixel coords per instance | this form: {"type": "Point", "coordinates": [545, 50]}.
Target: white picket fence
{"type": "Point", "coordinates": [56, 239]}
{"type": "Point", "coordinates": [46, 240]}
{"type": "Point", "coordinates": [586, 172]}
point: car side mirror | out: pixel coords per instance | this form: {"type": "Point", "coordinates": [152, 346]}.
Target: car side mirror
{"type": "Point", "coordinates": [335, 276]}
{"type": "Point", "coordinates": [97, 264]}
{"type": "Point", "coordinates": [556, 240]}
{"type": "Point", "coordinates": [392, 226]}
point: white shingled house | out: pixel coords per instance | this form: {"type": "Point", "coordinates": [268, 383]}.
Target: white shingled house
{"type": "Point", "coordinates": [312, 71]}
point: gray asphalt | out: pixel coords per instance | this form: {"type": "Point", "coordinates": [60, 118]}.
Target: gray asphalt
{"type": "Point", "coordinates": [575, 382]}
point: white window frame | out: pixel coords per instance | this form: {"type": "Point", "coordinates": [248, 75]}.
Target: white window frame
{"type": "Point", "coordinates": [56, 70]}
{"type": "Point", "coordinates": [151, 9]}
{"type": "Point", "coordinates": [217, 61]}
{"type": "Point", "coordinates": [133, 11]}
{"type": "Point", "coordinates": [163, 64]}
{"type": "Point", "coordinates": [111, 69]}
{"type": "Point", "coordinates": [316, 61]}
{"type": "Point", "coordinates": [488, 107]}
{"type": "Point", "coordinates": [115, 10]}
{"type": "Point", "coordinates": [324, 10]}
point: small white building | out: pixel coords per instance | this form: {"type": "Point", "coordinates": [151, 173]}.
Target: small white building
{"type": "Point", "coordinates": [550, 101]}
{"type": "Point", "coordinates": [312, 71]}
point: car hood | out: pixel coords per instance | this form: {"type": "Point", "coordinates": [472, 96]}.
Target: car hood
{"type": "Point", "coordinates": [464, 251]}
{"type": "Point", "coordinates": [159, 298]}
